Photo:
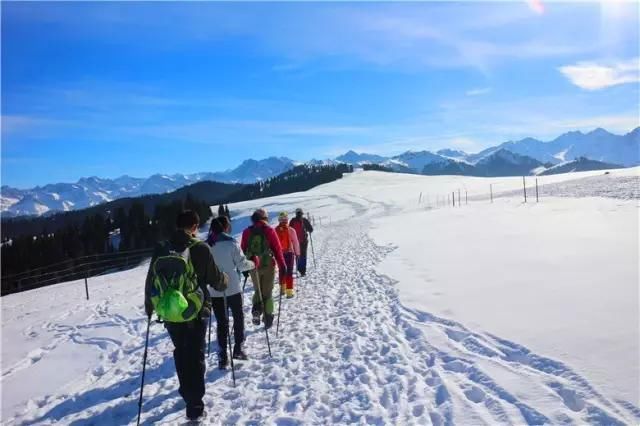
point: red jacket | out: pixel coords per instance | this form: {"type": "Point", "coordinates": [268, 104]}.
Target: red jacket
{"type": "Point", "coordinates": [272, 239]}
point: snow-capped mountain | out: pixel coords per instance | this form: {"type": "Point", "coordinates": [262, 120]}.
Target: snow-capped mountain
{"type": "Point", "coordinates": [580, 164]}
{"type": "Point", "coordinates": [501, 162]}
{"type": "Point", "coordinates": [599, 145]}
{"type": "Point", "coordinates": [416, 160]}
{"type": "Point", "coordinates": [353, 158]}
{"type": "Point", "coordinates": [453, 153]}
{"type": "Point", "coordinates": [91, 191]}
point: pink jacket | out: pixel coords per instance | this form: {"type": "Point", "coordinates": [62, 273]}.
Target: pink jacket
{"type": "Point", "coordinates": [294, 245]}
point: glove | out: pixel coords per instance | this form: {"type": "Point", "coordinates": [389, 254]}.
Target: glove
{"type": "Point", "coordinates": [256, 261]}
{"type": "Point", "coordinates": [205, 312]}
{"type": "Point", "coordinates": [148, 308]}
{"type": "Point", "coordinates": [222, 285]}
{"type": "Point", "coordinates": [246, 274]}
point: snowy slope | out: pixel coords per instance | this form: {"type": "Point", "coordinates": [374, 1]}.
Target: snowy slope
{"type": "Point", "coordinates": [498, 313]}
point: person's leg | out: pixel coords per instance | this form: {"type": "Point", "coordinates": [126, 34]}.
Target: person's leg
{"type": "Point", "coordinates": [177, 334]}
{"type": "Point", "coordinates": [222, 322]}
{"type": "Point", "coordinates": [288, 278]}
{"type": "Point", "coordinates": [256, 309]}
{"type": "Point", "coordinates": [235, 302]}
{"type": "Point", "coordinates": [267, 276]}
{"type": "Point", "coordinates": [302, 259]}
{"type": "Point", "coordinates": [195, 366]}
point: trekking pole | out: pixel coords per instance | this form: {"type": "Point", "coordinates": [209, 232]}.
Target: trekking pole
{"type": "Point", "coordinates": [226, 314]}
{"type": "Point", "coordinates": [297, 277]}
{"type": "Point", "coordinates": [279, 309]}
{"type": "Point", "coordinates": [263, 308]}
{"type": "Point", "coordinates": [209, 343]}
{"type": "Point", "coordinates": [144, 365]}
{"type": "Point", "coordinates": [245, 283]}
{"type": "Point", "coordinates": [313, 252]}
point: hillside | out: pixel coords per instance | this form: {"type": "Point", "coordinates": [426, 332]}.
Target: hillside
{"type": "Point", "coordinates": [397, 323]}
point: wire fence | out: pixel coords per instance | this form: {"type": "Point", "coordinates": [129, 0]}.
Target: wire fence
{"type": "Point", "coordinates": [81, 268]}
{"type": "Point", "coordinates": [532, 189]}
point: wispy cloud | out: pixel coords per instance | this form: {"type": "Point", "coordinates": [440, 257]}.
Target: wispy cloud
{"type": "Point", "coordinates": [596, 76]}
{"type": "Point", "coordinates": [406, 36]}
{"type": "Point", "coordinates": [478, 91]}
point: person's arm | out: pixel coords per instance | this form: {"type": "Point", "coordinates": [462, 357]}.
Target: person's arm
{"type": "Point", "coordinates": [240, 260]}
{"type": "Point", "coordinates": [244, 242]}
{"type": "Point", "coordinates": [276, 249]}
{"type": "Point", "coordinates": [307, 225]}
{"type": "Point", "coordinates": [207, 270]}
{"type": "Point", "coordinates": [148, 285]}
{"type": "Point", "coordinates": [293, 236]}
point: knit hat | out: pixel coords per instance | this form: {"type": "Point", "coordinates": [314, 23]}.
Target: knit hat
{"type": "Point", "coordinates": [258, 215]}
{"type": "Point", "coordinates": [283, 217]}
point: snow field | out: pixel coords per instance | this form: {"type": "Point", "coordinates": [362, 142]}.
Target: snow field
{"type": "Point", "coordinates": [367, 340]}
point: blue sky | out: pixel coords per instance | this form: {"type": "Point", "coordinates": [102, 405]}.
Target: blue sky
{"type": "Point", "coordinates": [139, 88]}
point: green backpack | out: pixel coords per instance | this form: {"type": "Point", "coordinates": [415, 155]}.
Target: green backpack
{"type": "Point", "coordinates": [257, 245]}
{"type": "Point", "coordinates": [176, 295]}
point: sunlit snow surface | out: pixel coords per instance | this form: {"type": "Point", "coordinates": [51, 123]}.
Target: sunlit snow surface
{"type": "Point", "coordinates": [416, 313]}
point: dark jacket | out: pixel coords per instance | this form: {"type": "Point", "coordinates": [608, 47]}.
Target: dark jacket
{"type": "Point", "coordinates": [202, 260]}
{"type": "Point", "coordinates": [302, 226]}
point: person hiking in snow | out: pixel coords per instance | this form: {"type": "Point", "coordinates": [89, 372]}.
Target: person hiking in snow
{"type": "Point", "coordinates": [230, 259]}
{"type": "Point", "coordinates": [185, 263]}
{"type": "Point", "coordinates": [260, 243]}
{"type": "Point", "coordinates": [303, 228]}
{"type": "Point", "coordinates": [290, 249]}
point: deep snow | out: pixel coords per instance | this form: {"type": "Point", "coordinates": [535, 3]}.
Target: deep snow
{"type": "Point", "coordinates": [498, 313]}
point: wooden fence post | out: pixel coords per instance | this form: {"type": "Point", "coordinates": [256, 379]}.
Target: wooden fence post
{"type": "Point", "coordinates": [524, 188]}
{"type": "Point", "coordinates": [491, 190]}
{"type": "Point", "coordinates": [536, 190]}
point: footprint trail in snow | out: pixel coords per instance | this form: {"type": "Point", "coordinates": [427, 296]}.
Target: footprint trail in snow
{"type": "Point", "coordinates": [348, 352]}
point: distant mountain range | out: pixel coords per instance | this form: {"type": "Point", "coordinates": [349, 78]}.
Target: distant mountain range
{"type": "Point", "coordinates": [88, 192]}
{"type": "Point", "coordinates": [523, 157]}
{"type": "Point", "coordinates": [572, 151]}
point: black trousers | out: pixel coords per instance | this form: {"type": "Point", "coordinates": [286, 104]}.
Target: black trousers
{"type": "Point", "coordinates": [222, 320]}
{"type": "Point", "coordinates": [189, 341]}
{"type": "Point", "coordinates": [302, 259]}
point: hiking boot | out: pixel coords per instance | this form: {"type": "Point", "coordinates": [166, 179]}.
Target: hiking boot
{"type": "Point", "coordinates": [197, 417]}
{"type": "Point", "coordinates": [238, 353]}
{"type": "Point", "coordinates": [290, 293]}
{"type": "Point", "coordinates": [268, 321]}
{"type": "Point", "coordinates": [256, 318]}
{"type": "Point", "coordinates": [223, 360]}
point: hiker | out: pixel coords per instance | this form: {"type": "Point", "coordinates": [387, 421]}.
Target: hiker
{"type": "Point", "coordinates": [290, 249]}
{"type": "Point", "coordinates": [260, 243]}
{"type": "Point", "coordinates": [185, 262]}
{"type": "Point", "coordinates": [230, 259]}
{"type": "Point", "coordinates": [303, 228]}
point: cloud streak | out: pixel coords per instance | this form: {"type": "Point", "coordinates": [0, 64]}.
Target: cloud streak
{"type": "Point", "coordinates": [597, 76]}
{"type": "Point", "coordinates": [478, 91]}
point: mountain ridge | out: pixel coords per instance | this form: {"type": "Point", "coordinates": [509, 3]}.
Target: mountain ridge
{"type": "Point", "coordinates": [598, 145]}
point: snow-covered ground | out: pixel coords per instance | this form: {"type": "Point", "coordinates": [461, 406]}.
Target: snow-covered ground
{"type": "Point", "coordinates": [417, 313]}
